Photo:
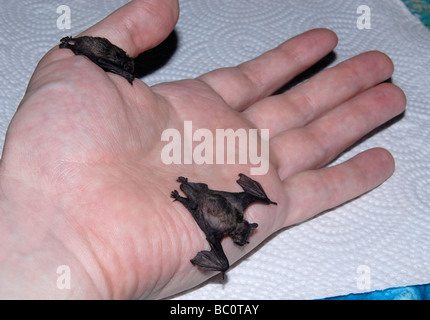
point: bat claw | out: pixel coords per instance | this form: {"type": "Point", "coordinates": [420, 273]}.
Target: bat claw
{"type": "Point", "coordinates": [175, 195]}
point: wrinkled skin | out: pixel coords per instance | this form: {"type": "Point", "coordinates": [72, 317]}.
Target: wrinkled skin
{"type": "Point", "coordinates": [82, 183]}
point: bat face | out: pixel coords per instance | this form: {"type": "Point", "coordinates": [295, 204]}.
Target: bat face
{"type": "Point", "coordinates": [194, 191]}
{"type": "Point", "coordinates": [218, 214]}
{"type": "Point", "coordinates": [103, 53]}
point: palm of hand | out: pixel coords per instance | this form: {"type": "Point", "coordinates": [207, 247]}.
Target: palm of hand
{"type": "Point", "coordinates": [96, 146]}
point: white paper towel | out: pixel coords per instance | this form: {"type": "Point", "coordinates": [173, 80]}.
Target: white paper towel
{"type": "Point", "coordinates": [385, 234]}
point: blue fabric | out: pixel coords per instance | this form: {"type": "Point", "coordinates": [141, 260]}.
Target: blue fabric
{"type": "Point", "coordinates": [421, 8]}
{"type": "Point", "coordinates": [419, 292]}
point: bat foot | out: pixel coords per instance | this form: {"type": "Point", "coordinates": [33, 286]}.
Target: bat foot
{"type": "Point", "coordinates": [175, 195]}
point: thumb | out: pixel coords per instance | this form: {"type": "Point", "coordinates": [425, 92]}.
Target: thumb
{"type": "Point", "coordinates": [139, 25]}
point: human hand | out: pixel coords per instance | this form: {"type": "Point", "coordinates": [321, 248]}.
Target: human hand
{"type": "Point", "coordinates": [83, 184]}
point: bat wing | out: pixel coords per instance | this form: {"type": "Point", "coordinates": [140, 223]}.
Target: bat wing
{"type": "Point", "coordinates": [214, 260]}
{"type": "Point", "coordinates": [110, 66]}
{"type": "Point", "coordinates": [254, 189]}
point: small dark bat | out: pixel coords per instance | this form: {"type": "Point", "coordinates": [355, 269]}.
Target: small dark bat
{"type": "Point", "coordinates": [218, 214]}
{"type": "Point", "coordinates": [103, 53]}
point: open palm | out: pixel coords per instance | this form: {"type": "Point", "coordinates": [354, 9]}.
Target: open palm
{"type": "Point", "coordinates": [83, 153]}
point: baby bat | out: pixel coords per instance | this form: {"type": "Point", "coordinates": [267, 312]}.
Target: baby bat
{"type": "Point", "coordinates": [103, 53]}
{"type": "Point", "coordinates": [218, 214]}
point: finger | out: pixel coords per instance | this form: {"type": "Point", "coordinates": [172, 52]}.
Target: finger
{"type": "Point", "coordinates": [242, 85]}
{"type": "Point", "coordinates": [304, 103]}
{"type": "Point", "coordinates": [322, 140]}
{"type": "Point", "coordinates": [312, 192]}
{"type": "Point", "coordinates": [139, 25]}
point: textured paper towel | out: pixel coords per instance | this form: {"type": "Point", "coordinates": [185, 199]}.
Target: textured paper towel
{"type": "Point", "coordinates": [387, 231]}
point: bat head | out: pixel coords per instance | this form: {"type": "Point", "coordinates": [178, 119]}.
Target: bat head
{"type": "Point", "coordinates": [242, 232]}
{"type": "Point", "coordinates": [128, 65]}
{"type": "Point", "coordinates": [192, 190]}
